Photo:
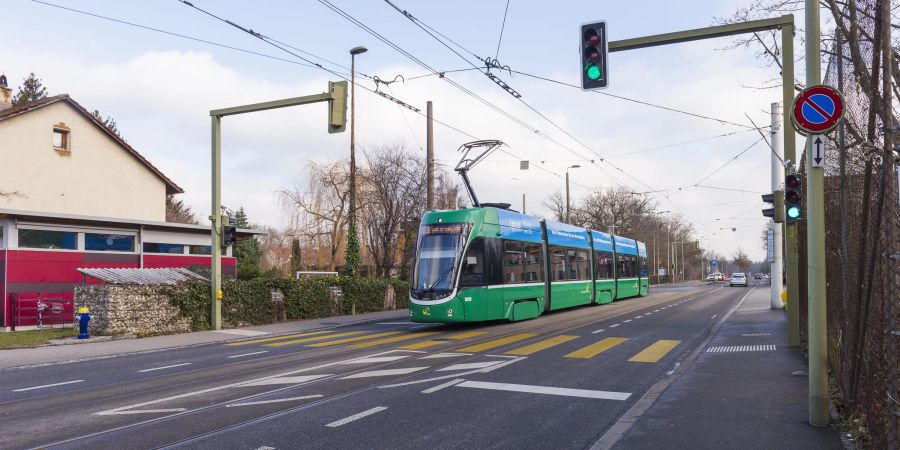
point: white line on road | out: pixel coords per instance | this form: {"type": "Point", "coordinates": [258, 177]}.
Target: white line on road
{"type": "Point", "coordinates": [470, 366]}
{"type": "Point", "coordinates": [384, 373]}
{"type": "Point", "coordinates": [655, 310]}
{"type": "Point", "coordinates": [584, 393]}
{"type": "Point", "coordinates": [277, 400]}
{"type": "Point", "coordinates": [164, 367]}
{"type": "Point", "coordinates": [248, 354]}
{"type": "Point", "coordinates": [285, 380]}
{"type": "Point", "coordinates": [638, 317]}
{"type": "Point", "coordinates": [356, 416]}
{"type": "Point", "coordinates": [445, 355]}
{"type": "Point", "coordinates": [626, 321]}
{"type": "Point", "coordinates": [614, 325]}
{"type": "Point", "coordinates": [376, 359]}
{"type": "Point", "coordinates": [713, 316]}
{"type": "Point", "coordinates": [46, 386]}
{"type": "Point", "coordinates": [442, 386]}
{"type": "Point", "coordinates": [140, 411]}
{"type": "Point", "coordinates": [502, 356]}
{"type": "Point", "coordinates": [454, 375]}
{"type": "Point", "coordinates": [598, 331]}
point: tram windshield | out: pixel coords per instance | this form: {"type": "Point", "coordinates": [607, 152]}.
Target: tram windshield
{"type": "Point", "coordinates": [436, 259]}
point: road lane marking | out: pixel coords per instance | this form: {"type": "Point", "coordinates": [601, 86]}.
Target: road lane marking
{"type": "Point", "coordinates": [496, 343]}
{"type": "Point", "coordinates": [538, 346]}
{"type": "Point", "coordinates": [277, 338]}
{"type": "Point", "coordinates": [314, 338]}
{"type": "Point", "coordinates": [47, 385]}
{"type": "Point", "coordinates": [626, 321]}
{"type": "Point", "coordinates": [383, 373]}
{"type": "Point", "coordinates": [442, 386]}
{"type": "Point", "coordinates": [656, 310]}
{"type": "Point", "coordinates": [248, 354]}
{"type": "Point", "coordinates": [467, 335]}
{"type": "Point", "coordinates": [376, 359]}
{"type": "Point", "coordinates": [598, 331]}
{"type": "Point", "coordinates": [278, 400]}
{"type": "Point", "coordinates": [501, 356]}
{"type": "Point", "coordinates": [713, 316]}
{"type": "Point", "coordinates": [469, 366]}
{"type": "Point", "coordinates": [393, 339]}
{"type": "Point", "coordinates": [454, 375]}
{"type": "Point", "coordinates": [638, 317]}
{"type": "Point", "coordinates": [164, 367]}
{"type": "Point", "coordinates": [583, 393]}
{"type": "Point", "coordinates": [432, 343]}
{"type": "Point", "coordinates": [614, 325]}
{"type": "Point", "coordinates": [445, 355]}
{"type": "Point", "coordinates": [356, 416]}
{"type": "Point", "coordinates": [239, 332]}
{"type": "Point", "coordinates": [284, 380]}
{"type": "Point", "coordinates": [596, 348]}
{"type": "Point", "coordinates": [141, 411]}
{"type": "Point", "coordinates": [655, 351]}
{"type": "Point", "coordinates": [354, 339]}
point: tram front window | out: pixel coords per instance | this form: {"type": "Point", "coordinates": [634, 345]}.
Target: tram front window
{"type": "Point", "coordinates": [436, 260]}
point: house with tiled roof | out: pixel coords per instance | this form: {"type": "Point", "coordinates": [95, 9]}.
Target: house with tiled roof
{"type": "Point", "coordinates": [74, 194]}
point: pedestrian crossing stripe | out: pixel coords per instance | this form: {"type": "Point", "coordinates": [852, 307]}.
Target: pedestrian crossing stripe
{"type": "Point", "coordinates": [655, 351]}
{"type": "Point", "coordinates": [354, 339]}
{"type": "Point", "coordinates": [542, 345]}
{"type": "Point", "coordinates": [277, 338]}
{"type": "Point", "coordinates": [314, 338]}
{"type": "Point", "coordinates": [495, 343]}
{"type": "Point", "coordinates": [432, 343]}
{"type": "Point", "coordinates": [393, 339]}
{"type": "Point", "coordinates": [596, 348]}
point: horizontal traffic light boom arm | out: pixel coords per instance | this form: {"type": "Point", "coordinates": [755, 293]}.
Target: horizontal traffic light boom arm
{"type": "Point", "coordinates": [701, 33]}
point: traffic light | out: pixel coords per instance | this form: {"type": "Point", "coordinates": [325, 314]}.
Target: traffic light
{"type": "Point", "coordinates": [337, 106]}
{"type": "Point", "coordinates": [228, 235]}
{"type": "Point", "coordinates": [594, 73]}
{"type": "Point", "coordinates": [777, 211]}
{"type": "Point", "coordinates": [793, 198]}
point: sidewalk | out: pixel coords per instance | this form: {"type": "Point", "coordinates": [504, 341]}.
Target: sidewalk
{"type": "Point", "coordinates": [70, 353]}
{"type": "Point", "coordinates": [728, 398]}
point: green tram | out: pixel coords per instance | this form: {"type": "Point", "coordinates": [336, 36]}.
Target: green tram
{"type": "Point", "coordinates": [489, 263]}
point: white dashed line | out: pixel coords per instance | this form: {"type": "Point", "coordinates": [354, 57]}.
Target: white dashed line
{"type": "Point", "coordinates": [46, 386]}
{"type": "Point", "coordinates": [384, 373]}
{"type": "Point", "coordinates": [248, 354]}
{"type": "Point", "coordinates": [584, 393]}
{"type": "Point", "coordinates": [164, 367]}
{"type": "Point", "coordinates": [469, 366]}
{"type": "Point", "coordinates": [277, 400]}
{"type": "Point", "coordinates": [376, 359]}
{"type": "Point", "coordinates": [442, 386]}
{"type": "Point", "coordinates": [356, 416]}
{"type": "Point", "coordinates": [598, 331]}
{"type": "Point", "coordinates": [638, 317]}
{"type": "Point", "coordinates": [614, 325]}
{"type": "Point", "coordinates": [626, 321]}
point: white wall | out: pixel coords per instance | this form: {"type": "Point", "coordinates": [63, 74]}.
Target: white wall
{"type": "Point", "coordinates": [98, 177]}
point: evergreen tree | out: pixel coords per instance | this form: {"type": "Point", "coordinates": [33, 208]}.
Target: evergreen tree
{"type": "Point", "coordinates": [295, 257]}
{"type": "Point", "coordinates": [247, 251]}
{"type": "Point", "coordinates": [239, 218]}
{"type": "Point", "coordinates": [31, 89]}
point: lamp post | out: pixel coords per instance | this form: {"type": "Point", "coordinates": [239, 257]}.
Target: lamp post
{"type": "Point", "coordinates": [656, 246]}
{"type": "Point", "coordinates": [351, 219]}
{"type": "Point", "coordinates": [574, 166]}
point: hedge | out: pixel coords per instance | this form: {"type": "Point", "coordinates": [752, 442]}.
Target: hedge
{"type": "Point", "coordinates": [249, 302]}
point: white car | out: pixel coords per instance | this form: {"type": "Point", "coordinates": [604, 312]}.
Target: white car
{"type": "Point", "coordinates": [739, 279]}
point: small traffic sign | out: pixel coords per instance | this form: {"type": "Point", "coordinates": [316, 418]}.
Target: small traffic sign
{"type": "Point", "coordinates": [818, 148]}
{"type": "Point", "coordinates": [817, 109]}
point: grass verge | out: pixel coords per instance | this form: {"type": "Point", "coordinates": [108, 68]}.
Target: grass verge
{"type": "Point", "coordinates": [33, 338]}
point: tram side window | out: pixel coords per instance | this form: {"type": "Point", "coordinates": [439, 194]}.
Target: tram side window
{"type": "Point", "coordinates": [473, 265]}
{"type": "Point", "coordinates": [513, 262]}
{"type": "Point", "coordinates": [644, 272]}
{"type": "Point", "coordinates": [625, 267]}
{"type": "Point", "coordinates": [604, 264]}
{"type": "Point", "coordinates": [581, 265]}
{"type": "Point", "coordinates": [558, 266]}
{"type": "Point", "coordinates": [534, 263]}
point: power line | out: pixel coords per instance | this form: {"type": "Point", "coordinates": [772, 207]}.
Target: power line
{"type": "Point", "coordinates": [502, 27]}
{"type": "Point", "coordinates": [734, 158]}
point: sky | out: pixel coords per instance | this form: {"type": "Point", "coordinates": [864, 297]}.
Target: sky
{"type": "Point", "coordinates": [159, 88]}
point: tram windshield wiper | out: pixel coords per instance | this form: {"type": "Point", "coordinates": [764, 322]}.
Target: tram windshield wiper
{"type": "Point", "coordinates": [439, 279]}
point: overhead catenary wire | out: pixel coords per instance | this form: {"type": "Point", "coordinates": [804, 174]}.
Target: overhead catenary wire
{"type": "Point", "coordinates": [734, 158]}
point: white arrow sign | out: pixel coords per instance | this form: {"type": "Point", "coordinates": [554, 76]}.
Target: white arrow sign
{"type": "Point", "coordinates": [818, 149]}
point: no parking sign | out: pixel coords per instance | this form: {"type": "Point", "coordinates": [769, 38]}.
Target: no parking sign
{"type": "Point", "coordinates": [817, 109]}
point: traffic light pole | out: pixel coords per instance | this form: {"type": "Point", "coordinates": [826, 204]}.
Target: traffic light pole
{"type": "Point", "coordinates": [337, 118]}
{"type": "Point", "coordinates": [786, 24]}
{"type": "Point", "coordinates": [777, 181]}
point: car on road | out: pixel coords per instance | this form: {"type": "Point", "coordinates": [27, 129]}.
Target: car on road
{"type": "Point", "coordinates": [757, 277]}
{"type": "Point", "coordinates": [712, 277]}
{"type": "Point", "coordinates": [738, 279]}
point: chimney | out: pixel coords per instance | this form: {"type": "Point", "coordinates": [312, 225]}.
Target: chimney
{"type": "Point", "coordinates": [5, 94]}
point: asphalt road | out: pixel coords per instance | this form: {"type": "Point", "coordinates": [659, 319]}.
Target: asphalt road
{"type": "Point", "coordinates": [559, 381]}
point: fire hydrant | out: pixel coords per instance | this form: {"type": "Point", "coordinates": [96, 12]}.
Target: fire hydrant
{"type": "Point", "coordinates": [83, 318]}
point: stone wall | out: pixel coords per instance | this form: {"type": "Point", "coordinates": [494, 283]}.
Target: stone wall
{"type": "Point", "coordinates": [142, 310]}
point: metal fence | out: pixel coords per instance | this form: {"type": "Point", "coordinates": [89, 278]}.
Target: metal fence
{"type": "Point", "coordinates": [862, 238]}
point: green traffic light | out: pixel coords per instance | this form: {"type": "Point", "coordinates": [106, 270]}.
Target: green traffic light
{"type": "Point", "coordinates": [793, 212]}
{"type": "Point", "coordinates": [593, 72]}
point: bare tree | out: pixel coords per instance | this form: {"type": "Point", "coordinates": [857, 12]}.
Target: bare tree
{"type": "Point", "coordinates": [614, 210]}
{"type": "Point", "coordinates": [556, 203]}
{"type": "Point", "coordinates": [741, 260]}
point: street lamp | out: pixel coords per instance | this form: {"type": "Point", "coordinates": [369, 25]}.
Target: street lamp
{"type": "Point", "coordinates": [574, 166]}
{"type": "Point", "coordinates": [352, 213]}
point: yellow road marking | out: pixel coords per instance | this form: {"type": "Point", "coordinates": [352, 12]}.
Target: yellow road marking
{"type": "Point", "coordinates": [314, 338]}
{"type": "Point", "coordinates": [393, 339]}
{"type": "Point", "coordinates": [496, 343]}
{"type": "Point", "coordinates": [596, 348]}
{"type": "Point", "coordinates": [655, 351]}
{"type": "Point", "coordinates": [430, 343]}
{"type": "Point", "coordinates": [538, 346]}
{"type": "Point", "coordinates": [354, 339]}
{"type": "Point", "coordinates": [278, 338]}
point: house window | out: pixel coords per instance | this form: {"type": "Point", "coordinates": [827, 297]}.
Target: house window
{"type": "Point", "coordinates": [200, 250]}
{"type": "Point", "coordinates": [61, 137]}
{"type": "Point", "coordinates": [108, 242]}
{"type": "Point", "coordinates": [152, 247]}
{"type": "Point", "coordinates": [48, 239]}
